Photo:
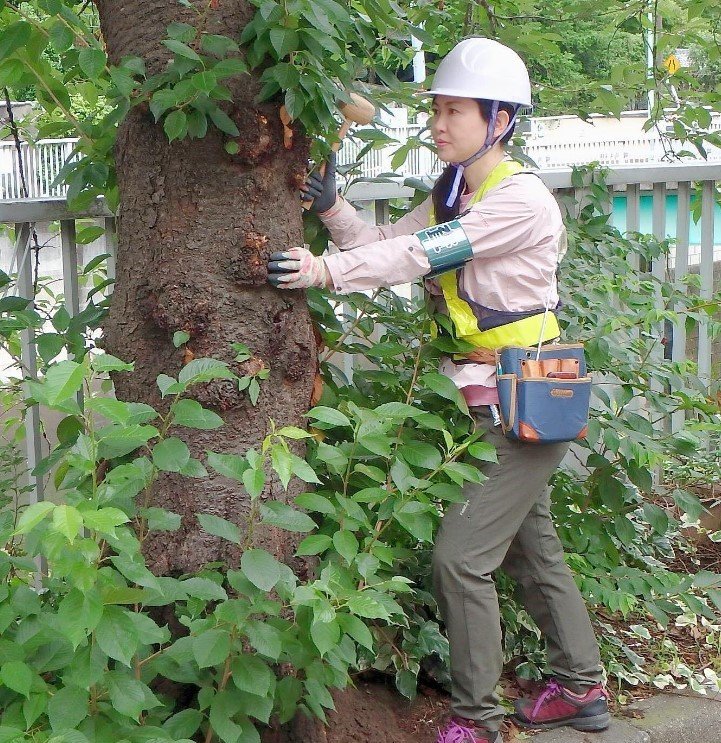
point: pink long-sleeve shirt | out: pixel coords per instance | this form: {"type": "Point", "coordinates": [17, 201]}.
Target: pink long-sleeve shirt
{"type": "Point", "coordinates": [517, 237]}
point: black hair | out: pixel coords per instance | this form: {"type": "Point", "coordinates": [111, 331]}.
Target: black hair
{"type": "Point", "coordinates": [443, 184]}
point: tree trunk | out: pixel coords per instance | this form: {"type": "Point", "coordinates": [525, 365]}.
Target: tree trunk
{"type": "Point", "coordinates": [196, 226]}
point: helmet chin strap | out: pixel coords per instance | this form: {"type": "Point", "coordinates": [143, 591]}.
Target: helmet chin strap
{"type": "Point", "coordinates": [490, 141]}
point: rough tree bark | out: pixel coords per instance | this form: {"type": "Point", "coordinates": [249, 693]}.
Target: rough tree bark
{"type": "Point", "coordinates": [195, 228]}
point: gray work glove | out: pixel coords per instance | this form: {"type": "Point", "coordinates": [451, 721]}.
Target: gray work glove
{"type": "Point", "coordinates": [321, 188]}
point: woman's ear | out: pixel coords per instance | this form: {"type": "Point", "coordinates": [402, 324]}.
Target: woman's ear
{"type": "Point", "coordinates": [502, 120]}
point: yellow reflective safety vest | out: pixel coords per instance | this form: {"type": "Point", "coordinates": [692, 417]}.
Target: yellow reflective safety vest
{"type": "Point", "coordinates": [523, 332]}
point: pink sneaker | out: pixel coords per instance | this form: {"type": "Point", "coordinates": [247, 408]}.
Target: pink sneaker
{"type": "Point", "coordinates": [556, 706]}
{"type": "Point", "coordinates": [460, 730]}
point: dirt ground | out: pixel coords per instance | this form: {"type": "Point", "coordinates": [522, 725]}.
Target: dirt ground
{"type": "Point", "coordinates": [373, 712]}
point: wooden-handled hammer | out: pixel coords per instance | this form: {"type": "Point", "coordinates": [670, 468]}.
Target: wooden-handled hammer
{"type": "Point", "coordinates": [358, 111]}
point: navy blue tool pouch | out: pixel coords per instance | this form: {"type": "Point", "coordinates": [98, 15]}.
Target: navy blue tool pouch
{"type": "Point", "coordinates": [544, 394]}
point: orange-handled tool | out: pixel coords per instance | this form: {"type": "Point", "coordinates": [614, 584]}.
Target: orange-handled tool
{"type": "Point", "coordinates": [358, 111]}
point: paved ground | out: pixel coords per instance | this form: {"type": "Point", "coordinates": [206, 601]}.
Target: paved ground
{"type": "Point", "coordinates": [665, 718]}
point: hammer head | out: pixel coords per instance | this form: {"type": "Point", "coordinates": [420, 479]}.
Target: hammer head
{"type": "Point", "coordinates": [359, 110]}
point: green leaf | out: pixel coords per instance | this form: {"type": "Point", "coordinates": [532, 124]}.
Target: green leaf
{"type": "Point", "coordinates": [63, 380]}
{"type": "Point", "coordinates": [116, 635]}
{"type": "Point", "coordinates": [192, 414]}
{"type": "Point", "coordinates": [357, 629]}
{"type": "Point", "coordinates": [231, 466]}
{"type": "Point", "coordinates": [230, 67]}
{"type": "Point", "coordinates": [197, 124]}
{"type": "Point", "coordinates": [314, 544]}
{"type": "Point", "coordinates": [122, 440]}
{"type": "Point", "coordinates": [280, 459]}
{"type": "Point", "coordinates": [104, 362]}
{"type": "Point", "coordinates": [171, 455]}
{"type": "Point", "coordinates": [333, 457]}
{"type": "Point", "coordinates": [11, 72]}
{"type": "Point", "coordinates": [220, 527]}
{"type": "Point", "coordinates": [183, 725]}
{"type": "Point", "coordinates": [688, 503]}
{"type": "Point", "coordinates": [254, 480]}
{"type": "Point", "coordinates": [265, 638]}
{"type": "Point", "coordinates": [67, 708]}
{"type": "Point", "coordinates": [261, 568]}
{"type": "Point", "coordinates": [161, 101]}
{"type": "Point", "coordinates": [105, 520]}
{"type": "Point", "coordinates": [11, 735]}
{"type": "Point", "coordinates": [483, 451]}
{"type": "Point", "coordinates": [128, 695]}
{"type": "Point", "coordinates": [182, 31]}
{"type": "Point", "coordinates": [346, 545]}
{"type": "Point", "coordinates": [625, 530]}
{"type": "Point", "coordinates": [315, 502]}
{"type": "Point", "coordinates": [325, 635]}
{"type": "Point", "coordinates": [218, 45]}
{"type": "Point", "coordinates": [283, 40]}
{"type": "Point", "coordinates": [161, 520]}
{"type": "Point", "coordinates": [33, 515]}
{"type": "Point", "coordinates": [180, 337]}
{"type": "Point", "coordinates": [211, 647]}
{"type": "Point", "coordinates": [407, 683]}
{"type": "Point", "coordinates": [34, 706]}
{"type": "Point", "coordinates": [50, 345]}
{"type": "Point", "coordinates": [328, 415]}
{"type": "Point", "coordinates": [204, 370]}
{"type": "Point", "coordinates": [444, 387]}
{"type": "Point", "coordinates": [180, 49]}
{"type": "Point", "coordinates": [303, 470]}
{"type": "Point", "coordinates": [17, 676]}
{"type": "Point", "coordinates": [366, 606]}
{"type": "Point", "coordinates": [416, 519]}
{"type": "Point", "coordinates": [92, 62]}
{"type": "Point", "coordinates": [68, 521]}
{"type": "Point", "coordinates": [657, 517]}
{"type": "Point", "coordinates": [251, 674]}
{"type": "Point", "coordinates": [204, 81]}
{"type": "Point", "coordinates": [203, 589]}
{"type": "Point", "coordinates": [176, 125]}
{"type": "Point", "coordinates": [223, 122]}
{"type": "Point", "coordinates": [14, 37]}
{"type": "Point", "coordinates": [284, 516]}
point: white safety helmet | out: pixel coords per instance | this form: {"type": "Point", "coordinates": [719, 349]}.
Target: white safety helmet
{"type": "Point", "coordinates": [483, 68]}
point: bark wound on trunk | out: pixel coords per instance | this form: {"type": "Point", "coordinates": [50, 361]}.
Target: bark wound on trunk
{"type": "Point", "coordinates": [196, 226]}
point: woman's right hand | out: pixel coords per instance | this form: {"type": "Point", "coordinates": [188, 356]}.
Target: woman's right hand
{"type": "Point", "coordinates": [321, 189]}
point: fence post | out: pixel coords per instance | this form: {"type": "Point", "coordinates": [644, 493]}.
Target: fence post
{"type": "Point", "coordinates": [678, 341]}
{"type": "Point", "coordinates": [33, 439]}
{"type": "Point", "coordinates": [111, 245]}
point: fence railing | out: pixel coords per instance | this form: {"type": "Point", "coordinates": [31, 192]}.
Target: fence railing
{"type": "Point", "coordinates": [670, 218]}
{"type": "Point", "coordinates": [43, 160]}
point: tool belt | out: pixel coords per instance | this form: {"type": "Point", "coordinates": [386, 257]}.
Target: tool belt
{"type": "Point", "coordinates": [544, 392]}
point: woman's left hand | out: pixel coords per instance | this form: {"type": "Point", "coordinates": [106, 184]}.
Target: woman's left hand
{"type": "Point", "coordinates": [296, 268]}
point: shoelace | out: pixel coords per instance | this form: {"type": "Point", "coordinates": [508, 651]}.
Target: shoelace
{"type": "Point", "coordinates": [553, 689]}
{"type": "Point", "coordinates": [456, 733]}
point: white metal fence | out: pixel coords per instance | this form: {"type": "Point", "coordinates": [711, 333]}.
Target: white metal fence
{"type": "Point", "coordinates": [43, 160]}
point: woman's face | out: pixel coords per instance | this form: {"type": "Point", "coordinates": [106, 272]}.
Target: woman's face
{"type": "Point", "coordinates": [457, 127]}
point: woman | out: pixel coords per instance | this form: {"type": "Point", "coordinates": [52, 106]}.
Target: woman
{"type": "Point", "coordinates": [493, 234]}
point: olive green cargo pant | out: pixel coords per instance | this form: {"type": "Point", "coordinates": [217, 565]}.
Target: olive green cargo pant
{"type": "Point", "coordinates": [506, 523]}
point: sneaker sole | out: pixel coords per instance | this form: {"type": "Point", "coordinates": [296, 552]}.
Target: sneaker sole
{"type": "Point", "coordinates": [593, 724]}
